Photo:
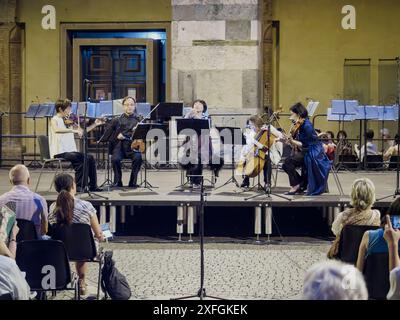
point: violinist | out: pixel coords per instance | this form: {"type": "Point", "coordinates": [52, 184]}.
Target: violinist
{"type": "Point", "coordinates": [120, 146]}
{"type": "Point", "coordinates": [311, 158]}
{"type": "Point", "coordinates": [62, 144]}
{"type": "Point", "coordinates": [254, 127]}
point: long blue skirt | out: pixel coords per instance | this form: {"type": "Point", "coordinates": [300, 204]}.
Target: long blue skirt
{"type": "Point", "coordinates": [318, 166]}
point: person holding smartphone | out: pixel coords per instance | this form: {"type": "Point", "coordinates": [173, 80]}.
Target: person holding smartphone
{"type": "Point", "coordinates": [392, 237]}
{"type": "Point", "coordinates": [373, 241]}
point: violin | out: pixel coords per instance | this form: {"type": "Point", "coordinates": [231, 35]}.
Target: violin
{"type": "Point", "coordinates": [72, 120]}
{"type": "Point", "coordinates": [294, 129]}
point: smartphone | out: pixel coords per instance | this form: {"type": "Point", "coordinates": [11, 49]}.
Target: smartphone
{"type": "Point", "coordinates": [395, 220]}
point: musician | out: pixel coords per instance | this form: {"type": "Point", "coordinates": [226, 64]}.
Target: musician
{"type": "Point", "coordinates": [62, 145]}
{"type": "Point", "coordinates": [311, 158]}
{"type": "Point", "coordinates": [255, 126]}
{"type": "Point", "coordinates": [120, 145]}
{"type": "Point", "coordinates": [195, 167]}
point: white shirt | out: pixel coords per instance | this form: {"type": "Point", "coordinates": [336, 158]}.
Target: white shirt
{"type": "Point", "coordinates": [12, 281]}
{"type": "Point", "coordinates": [60, 142]}
{"type": "Point", "coordinates": [275, 150]}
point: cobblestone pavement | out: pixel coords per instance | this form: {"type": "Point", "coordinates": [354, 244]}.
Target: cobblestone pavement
{"type": "Point", "coordinates": [232, 271]}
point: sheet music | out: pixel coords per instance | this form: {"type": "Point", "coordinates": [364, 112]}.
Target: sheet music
{"type": "Point", "coordinates": [344, 106]}
{"type": "Point", "coordinates": [338, 117]}
{"type": "Point", "coordinates": [367, 113]}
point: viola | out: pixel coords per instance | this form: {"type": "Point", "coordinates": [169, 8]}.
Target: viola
{"type": "Point", "coordinates": [294, 129]}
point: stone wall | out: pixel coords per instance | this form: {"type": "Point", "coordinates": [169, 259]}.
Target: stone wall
{"type": "Point", "coordinates": [10, 76]}
{"type": "Point", "coordinates": [216, 54]}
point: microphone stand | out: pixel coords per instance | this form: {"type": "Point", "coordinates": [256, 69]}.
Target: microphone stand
{"type": "Point", "coordinates": [84, 184]}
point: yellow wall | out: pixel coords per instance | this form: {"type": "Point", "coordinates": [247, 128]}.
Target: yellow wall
{"type": "Point", "coordinates": [42, 47]}
{"type": "Point", "coordinates": [313, 47]}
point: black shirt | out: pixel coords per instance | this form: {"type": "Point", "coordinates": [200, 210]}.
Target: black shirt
{"type": "Point", "coordinates": [124, 124]}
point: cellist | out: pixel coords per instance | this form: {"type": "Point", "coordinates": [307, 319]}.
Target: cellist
{"type": "Point", "coordinates": [311, 158]}
{"type": "Point", "coordinates": [254, 128]}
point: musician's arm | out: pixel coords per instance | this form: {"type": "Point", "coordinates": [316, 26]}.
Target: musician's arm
{"type": "Point", "coordinates": [58, 130]}
{"type": "Point", "coordinates": [97, 123]}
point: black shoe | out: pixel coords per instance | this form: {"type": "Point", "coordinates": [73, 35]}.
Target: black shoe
{"type": "Point", "coordinates": [245, 183]}
{"type": "Point", "coordinates": [117, 185]}
{"type": "Point", "coordinates": [95, 189]}
{"type": "Point", "coordinates": [133, 186]}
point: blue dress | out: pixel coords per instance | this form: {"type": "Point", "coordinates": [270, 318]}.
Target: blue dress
{"type": "Point", "coordinates": [316, 162]}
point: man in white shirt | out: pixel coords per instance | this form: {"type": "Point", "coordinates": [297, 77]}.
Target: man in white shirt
{"type": "Point", "coordinates": [62, 145]}
{"type": "Point", "coordinates": [371, 147]}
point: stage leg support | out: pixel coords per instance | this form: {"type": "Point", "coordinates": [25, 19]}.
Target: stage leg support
{"type": "Point", "coordinates": [179, 221]}
{"type": "Point", "coordinates": [257, 222]}
{"type": "Point", "coordinates": [103, 214]}
{"type": "Point", "coordinates": [113, 218]}
{"type": "Point", "coordinates": [190, 221]}
{"type": "Point", "coordinates": [268, 220]}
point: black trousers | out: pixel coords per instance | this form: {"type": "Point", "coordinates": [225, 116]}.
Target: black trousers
{"type": "Point", "coordinates": [195, 169]}
{"type": "Point", "coordinates": [122, 150]}
{"type": "Point", "coordinates": [291, 164]}
{"type": "Point", "coordinates": [77, 159]}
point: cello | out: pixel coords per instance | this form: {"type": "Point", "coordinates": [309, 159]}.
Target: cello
{"type": "Point", "coordinates": [255, 159]}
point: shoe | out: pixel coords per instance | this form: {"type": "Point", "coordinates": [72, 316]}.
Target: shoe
{"type": "Point", "coordinates": [196, 186]}
{"type": "Point", "coordinates": [96, 189]}
{"type": "Point", "coordinates": [133, 186]}
{"type": "Point", "coordinates": [245, 183]}
{"type": "Point", "coordinates": [117, 185]}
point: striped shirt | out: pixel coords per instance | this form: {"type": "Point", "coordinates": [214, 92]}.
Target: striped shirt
{"type": "Point", "coordinates": [26, 205]}
{"type": "Point", "coordinates": [83, 212]}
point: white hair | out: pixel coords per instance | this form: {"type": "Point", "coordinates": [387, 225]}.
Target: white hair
{"type": "Point", "coordinates": [334, 280]}
{"type": "Point", "coordinates": [394, 292]}
{"type": "Point", "coordinates": [362, 193]}
{"type": "Point", "coordinates": [19, 174]}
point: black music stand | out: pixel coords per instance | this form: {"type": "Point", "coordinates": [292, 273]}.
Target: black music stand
{"type": "Point", "coordinates": [84, 185]}
{"type": "Point", "coordinates": [105, 138]}
{"type": "Point", "coordinates": [166, 110]}
{"type": "Point", "coordinates": [197, 126]}
{"type": "Point", "coordinates": [201, 293]}
{"type": "Point", "coordinates": [141, 134]}
{"type": "Point", "coordinates": [32, 113]}
{"type": "Point", "coordinates": [231, 131]}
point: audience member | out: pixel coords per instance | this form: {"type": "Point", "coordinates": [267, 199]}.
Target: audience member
{"type": "Point", "coordinates": [392, 237]}
{"type": "Point", "coordinates": [27, 204]}
{"type": "Point", "coordinates": [67, 210]}
{"type": "Point", "coordinates": [373, 240]}
{"type": "Point", "coordinates": [371, 147]}
{"type": "Point", "coordinates": [334, 280]}
{"type": "Point", "coordinates": [361, 213]}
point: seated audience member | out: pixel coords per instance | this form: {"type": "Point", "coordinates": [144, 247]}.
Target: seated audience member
{"type": "Point", "coordinates": [343, 145]}
{"type": "Point", "coordinates": [371, 147]}
{"type": "Point", "coordinates": [10, 250]}
{"type": "Point", "coordinates": [12, 281]}
{"type": "Point", "coordinates": [373, 240]}
{"type": "Point", "coordinates": [67, 210]}
{"type": "Point", "coordinates": [388, 140]}
{"type": "Point", "coordinates": [27, 204]}
{"type": "Point", "coordinates": [393, 150]}
{"type": "Point", "coordinates": [328, 144]}
{"type": "Point", "coordinates": [362, 199]}
{"type": "Point", "coordinates": [392, 237]}
{"type": "Point", "coordinates": [334, 280]}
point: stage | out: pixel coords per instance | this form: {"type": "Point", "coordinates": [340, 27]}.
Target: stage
{"type": "Point", "coordinates": [183, 202]}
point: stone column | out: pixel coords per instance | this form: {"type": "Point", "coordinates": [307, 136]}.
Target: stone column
{"type": "Point", "coordinates": [267, 52]}
{"type": "Point", "coordinates": [10, 76]}
{"type": "Point", "coordinates": [216, 54]}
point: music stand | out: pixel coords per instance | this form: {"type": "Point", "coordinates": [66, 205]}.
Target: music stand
{"type": "Point", "coordinates": [364, 114]}
{"type": "Point", "coordinates": [32, 113]}
{"type": "Point", "coordinates": [231, 132]}
{"type": "Point", "coordinates": [386, 113]}
{"type": "Point", "coordinates": [105, 138]}
{"type": "Point", "coordinates": [197, 126]}
{"type": "Point", "coordinates": [166, 110]}
{"type": "Point", "coordinates": [86, 109]}
{"type": "Point", "coordinates": [140, 133]}
{"type": "Point", "coordinates": [201, 293]}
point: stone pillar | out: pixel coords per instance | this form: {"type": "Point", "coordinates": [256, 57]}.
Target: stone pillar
{"type": "Point", "coordinates": [216, 54]}
{"type": "Point", "coordinates": [10, 76]}
{"type": "Point", "coordinates": [267, 47]}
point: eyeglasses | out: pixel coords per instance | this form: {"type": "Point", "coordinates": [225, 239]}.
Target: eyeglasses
{"type": "Point", "coordinates": [129, 104]}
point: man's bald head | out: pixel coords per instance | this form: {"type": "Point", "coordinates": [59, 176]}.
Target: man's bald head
{"type": "Point", "coordinates": [19, 174]}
